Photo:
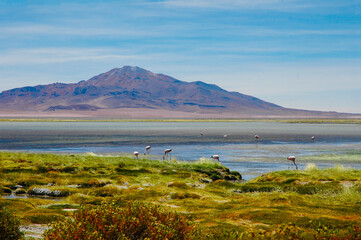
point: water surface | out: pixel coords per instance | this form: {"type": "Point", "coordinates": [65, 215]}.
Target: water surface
{"type": "Point", "coordinates": [191, 140]}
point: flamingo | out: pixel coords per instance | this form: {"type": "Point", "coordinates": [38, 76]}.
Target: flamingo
{"type": "Point", "coordinates": [166, 152]}
{"type": "Point", "coordinates": [215, 157]}
{"type": "Point", "coordinates": [256, 137]}
{"type": "Point", "coordinates": [293, 159]}
{"type": "Point", "coordinates": [313, 138]}
{"type": "Point", "coordinates": [225, 136]}
{"type": "Point", "coordinates": [136, 153]}
{"type": "Point", "coordinates": [147, 149]}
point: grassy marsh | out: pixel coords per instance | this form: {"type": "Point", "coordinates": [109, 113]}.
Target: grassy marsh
{"type": "Point", "coordinates": [306, 204]}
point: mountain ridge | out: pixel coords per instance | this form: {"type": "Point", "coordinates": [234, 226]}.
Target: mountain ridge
{"type": "Point", "coordinates": [135, 87]}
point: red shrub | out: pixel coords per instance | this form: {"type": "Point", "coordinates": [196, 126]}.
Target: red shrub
{"type": "Point", "coordinates": [133, 221]}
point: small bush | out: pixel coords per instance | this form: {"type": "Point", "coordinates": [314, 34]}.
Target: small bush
{"type": "Point", "coordinates": [185, 195]}
{"type": "Point", "coordinates": [181, 185]}
{"type": "Point", "coordinates": [133, 221]}
{"type": "Point", "coordinates": [9, 226]}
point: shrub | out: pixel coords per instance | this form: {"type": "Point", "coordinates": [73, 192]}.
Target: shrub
{"type": "Point", "coordinates": [132, 221]}
{"type": "Point", "coordinates": [181, 185]}
{"type": "Point", "coordinates": [9, 226]}
{"type": "Point", "coordinates": [184, 195]}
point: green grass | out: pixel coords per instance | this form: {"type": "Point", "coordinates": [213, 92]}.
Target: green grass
{"type": "Point", "coordinates": [287, 203]}
{"type": "Point", "coordinates": [349, 156]}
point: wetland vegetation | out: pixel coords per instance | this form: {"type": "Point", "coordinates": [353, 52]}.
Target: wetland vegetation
{"type": "Point", "coordinates": [209, 201]}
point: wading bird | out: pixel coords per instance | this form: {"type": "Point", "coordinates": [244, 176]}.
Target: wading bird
{"type": "Point", "coordinates": [215, 157]}
{"type": "Point", "coordinates": [293, 159]}
{"type": "Point", "coordinates": [224, 136]}
{"type": "Point", "coordinates": [313, 138]}
{"type": "Point", "coordinates": [136, 153]}
{"type": "Point", "coordinates": [256, 137]}
{"type": "Point", "coordinates": [166, 153]}
{"type": "Point", "coordinates": [147, 150]}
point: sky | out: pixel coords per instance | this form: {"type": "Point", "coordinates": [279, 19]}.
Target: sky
{"type": "Point", "coordinates": [303, 54]}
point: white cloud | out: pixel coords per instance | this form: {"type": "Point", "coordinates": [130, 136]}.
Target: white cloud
{"type": "Point", "coordinates": [276, 5]}
{"type": "Point", "coordinates": [219, 4]}
{"type": "Point", "coordinates": [22, 29]}
{"type": "Point", "coordinates": [273, 5]}
{"type": "Point", "coordinates": [62, 55]}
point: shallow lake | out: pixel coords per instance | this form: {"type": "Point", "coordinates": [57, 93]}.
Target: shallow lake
{"type": "Point", "coordinates": [190, 141]}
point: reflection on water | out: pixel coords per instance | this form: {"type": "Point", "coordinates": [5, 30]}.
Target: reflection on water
{"type": "Point", "coordinates": [191, 141]}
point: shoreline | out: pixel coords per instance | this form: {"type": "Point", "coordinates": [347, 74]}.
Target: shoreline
{"type": "Point", "coordinates": [280, 120]}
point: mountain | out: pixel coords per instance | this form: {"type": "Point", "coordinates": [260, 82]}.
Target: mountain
{"type": "Point", "coordinates": [129, 87]}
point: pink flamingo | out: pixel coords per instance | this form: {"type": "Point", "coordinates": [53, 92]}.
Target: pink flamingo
{"type": "Point", "coordinates": [215, 157]}
{"type": "Point", "coordinates": [293, 159]}
{"type": "Point", "coordinates": [147, 150]}
{"type": "Point", "coordinates": [166, 152]}
{"type": "Point", "coordinates": [136, 153]}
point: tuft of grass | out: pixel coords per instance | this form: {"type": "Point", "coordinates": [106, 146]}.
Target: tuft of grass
{"type": "Point", "coordinates": [311, 167]}
{"type": "Point", "coordinates": [181, 185]}
{"type": "Point", "coordinates": [183, 195]}
{"type": "Point", "coordinates": [43, 217]}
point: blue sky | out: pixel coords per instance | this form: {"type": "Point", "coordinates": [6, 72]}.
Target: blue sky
{"type": "Point", "coordinates": [295, 53]}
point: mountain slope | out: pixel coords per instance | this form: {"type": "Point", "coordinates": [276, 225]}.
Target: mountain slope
{"type": "Point", "coordinates": [136, 92]}
{"type": "Point", "coordinates": [132, 87]}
